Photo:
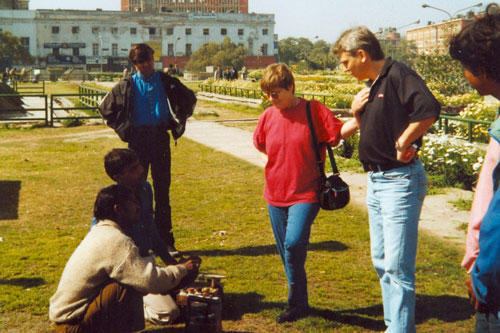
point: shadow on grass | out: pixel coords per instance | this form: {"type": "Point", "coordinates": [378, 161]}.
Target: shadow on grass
{"type": "Point", "coordinates": [9, 199]}
{"type": "Point", "coordinates": [254, 251]}
{"type": "Point", "coordinates": [444, 308]}
{"type": "Point", "coordinates": [23, 282]}
{"type": "Point", "coordinates": [447, 308]}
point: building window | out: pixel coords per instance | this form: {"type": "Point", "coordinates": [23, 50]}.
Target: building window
{"type": "Point", "coordinates": [188, 50]}
{"type": "Point", "coordinates": [170, 50]}
{"type": "Point", "coordinates": [152, 31]}
{"type": "Point", "coordinates": [25, 42]}
{"type": "Point", "coordinates": [265, 32]}
{"type": "Point", "coordinates": [76, 51]}
{"type": "Point", "coordinates": [170, 31]}
{"type": "Point", "coordinates": [75, 30]}
{"type": "Point", "coordinates": [240, 32]}
{"type": "Point", "coordinates": [264, 49]}
{"type": "Point", "coordinates": [55, 51]}
{"type": "Point", "coordinates": [188, 31]}
{"type": "Point", "coordinates": [55, 29]}
{"type": "Point", "coordinates": [95, 30]}
{"type": "Point", "coordinates": [206, 32]}
{"type": "Point", "coordinates": [133, 31]}
{"type": "Point", "coordinates": [114, 50]}
{"type": "Point", "coordinates": [223, 31]}
{"type": "Point", "coordinates": [114, 30]}
{"type": "Point", "coordinates": [95, 49]}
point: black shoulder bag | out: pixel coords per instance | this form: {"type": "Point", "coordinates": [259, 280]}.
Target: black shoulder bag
{"type": "Point", "coordinates": [333, 191]}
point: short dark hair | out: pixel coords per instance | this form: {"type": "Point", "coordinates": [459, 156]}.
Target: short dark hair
{"type": "Point", "coordinates": [477, 45]}
{"type": "Point", "coordinates": [359, 38]}
{"type": "Point", "coordinates": [140, 52]}
{"type": "Point", "coordinates": [117, 159]}
{"type": "Point", "coordinates": [106, 200]}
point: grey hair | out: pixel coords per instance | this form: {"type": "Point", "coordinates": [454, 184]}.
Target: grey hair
{"type": "Point", "coordinates": [359, 38]}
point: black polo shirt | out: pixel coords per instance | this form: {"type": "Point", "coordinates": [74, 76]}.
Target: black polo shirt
{"type": "Point", "coordinates": [397, 98]}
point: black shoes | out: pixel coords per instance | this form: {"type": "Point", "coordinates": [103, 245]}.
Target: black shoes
{"type": "Point", "coordinates": [292, 314]}
{"type": "Point", "coordinates": [174, 253]}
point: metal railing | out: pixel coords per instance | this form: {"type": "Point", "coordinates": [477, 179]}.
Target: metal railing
{"type": "Point", "coordinates": [92, 108]}
{"type": "Point", "coordinates": [254, 93]}
{"type": "Point", "coordinates": [45, 109]}
{"type": "Point", "coordinates": [231, 91]}
{"type": "Point", "coordinates": [444, 119]}
{"type": "Point", "coordinates": [29, 87]}
{"type": "Point", "coordinates": [257, 93]}
{"type": "Point", "coordinates": [90, 96]}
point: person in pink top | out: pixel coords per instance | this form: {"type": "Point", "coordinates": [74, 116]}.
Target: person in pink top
{"type": "Point", "coordinates": [292, 177]}
{"type": "Point", "coordinates": [482, 198]}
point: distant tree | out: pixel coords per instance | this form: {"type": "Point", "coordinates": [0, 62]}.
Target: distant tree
{"type": "Point", "coordinates": [405, 53]}
{"type": "Point", "coordinates": [306, 55]}
{"type": "Point", "coordinates": [442, 73]}
{"type": "Point", "coordinates": [321, 56]}
{"type": "Point", "coordinates": [203, 57]}
{"type": "Point", "coordinates": [293, 50]}
{"type": "Point", "coordinates": [11, 47]}
{"type": "Point", "coordinates": [213, 54]}
{"type": "Point", "coordinates": [230, 54]}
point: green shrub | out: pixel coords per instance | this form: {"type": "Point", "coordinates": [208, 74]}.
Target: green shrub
{"type": "Point", "coordinates": [72, 122]}
{"type": "Point", "coordinates": [451, 162]}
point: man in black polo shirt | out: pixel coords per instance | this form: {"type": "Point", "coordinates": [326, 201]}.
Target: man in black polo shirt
{"type": "Point", "coordinates": [392, 116]}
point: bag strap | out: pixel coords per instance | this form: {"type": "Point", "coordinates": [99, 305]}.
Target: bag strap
{"type": "Point", "coordinates": [319, 161]}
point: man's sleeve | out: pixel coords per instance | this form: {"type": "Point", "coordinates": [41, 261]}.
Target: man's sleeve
{"type": "Point", "coordinates": [417, 99]}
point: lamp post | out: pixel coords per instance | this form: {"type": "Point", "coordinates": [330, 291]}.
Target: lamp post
{"type": "Point", "coordinates": [441, 10]}
{"type": "Point", "coordinates": [476, 5]}
{"type": "Point", "coordinates": [175, 50]}
{"type": "Point", "coordinates": [448, 13]}
{"type": "Point", "coordinates": [406, 25]}
{"type": "Point", "coordinates": [100, 53]}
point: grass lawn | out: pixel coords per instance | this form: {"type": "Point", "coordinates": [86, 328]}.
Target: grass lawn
{"type": "Point", "coordinates": [48, 184]}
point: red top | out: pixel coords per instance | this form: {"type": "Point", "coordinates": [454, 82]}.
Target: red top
{"type": "Point", "coordinates": [291, 173]}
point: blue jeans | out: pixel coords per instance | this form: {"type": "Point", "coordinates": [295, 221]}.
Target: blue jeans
{"type": "Point", "coordinates": [394, 200]}
{"type": "Point", "coordinates": [487, 322]}
{"type": "Point", "coordinates": [292, 227]}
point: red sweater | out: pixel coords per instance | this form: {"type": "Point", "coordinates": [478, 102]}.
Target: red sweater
{"type": "Point", "coordinates": [283, 135]}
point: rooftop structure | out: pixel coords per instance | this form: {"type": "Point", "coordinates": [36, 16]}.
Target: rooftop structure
{"type": "Point", "coordinates": [186, 6]}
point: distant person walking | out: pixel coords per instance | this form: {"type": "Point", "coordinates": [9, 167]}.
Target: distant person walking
{"type": "Point", "coordinates": [244, 73]}
{"type": "Point", "coordinates": [218, 73]}
{"type": "Point", "coordinates": [393, 114]}
{"type": "Point", "coordinates": [141, 108]}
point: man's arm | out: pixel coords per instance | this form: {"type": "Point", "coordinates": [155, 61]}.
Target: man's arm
{"type": "Point", "coordinates": [409, 135]}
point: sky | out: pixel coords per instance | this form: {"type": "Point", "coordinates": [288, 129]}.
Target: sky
{"type": "Point", "coordinates": [320, 19]}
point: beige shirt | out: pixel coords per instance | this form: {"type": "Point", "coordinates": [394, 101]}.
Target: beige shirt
{"type": "Point", "coordinates": [107, 253]}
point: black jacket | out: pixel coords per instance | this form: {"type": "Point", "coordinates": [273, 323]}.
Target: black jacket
{"type": "Point", "coordinates": [116, 106]}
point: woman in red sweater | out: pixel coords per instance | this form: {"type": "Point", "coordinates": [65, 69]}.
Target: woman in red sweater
{"type": "Point", "coordinates": [292, 178]}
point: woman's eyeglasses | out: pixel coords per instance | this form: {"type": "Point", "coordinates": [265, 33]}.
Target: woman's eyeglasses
{"type": "Point", "coordinates": [273, 95]}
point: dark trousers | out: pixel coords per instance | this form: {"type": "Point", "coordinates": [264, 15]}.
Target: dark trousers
{"type": "Point", "coordinates": [152, 144]}
{"type": "Point", "coordinates": [117, 308]}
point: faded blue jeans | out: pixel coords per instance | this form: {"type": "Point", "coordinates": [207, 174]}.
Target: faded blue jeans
{"type": "Point", "coordinates": [394, 199]}
{"type": "Point", "coordinates": [292, 227]}
{"type": "Point", "coordinates": [487, 322]}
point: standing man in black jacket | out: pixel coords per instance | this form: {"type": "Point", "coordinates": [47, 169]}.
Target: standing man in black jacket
{"type": "Point", "coordinates": [141, 108]}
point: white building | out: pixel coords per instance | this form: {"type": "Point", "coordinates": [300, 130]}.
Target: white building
{"type": "Point", "coordinates": [77, 38]}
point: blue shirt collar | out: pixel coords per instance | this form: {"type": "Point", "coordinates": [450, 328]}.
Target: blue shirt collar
{"type": "Point", "coordinates": [142, 77]}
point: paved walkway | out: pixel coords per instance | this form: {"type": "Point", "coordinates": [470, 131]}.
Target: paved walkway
{"type": "Point", "coordinates": [439, 217]}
